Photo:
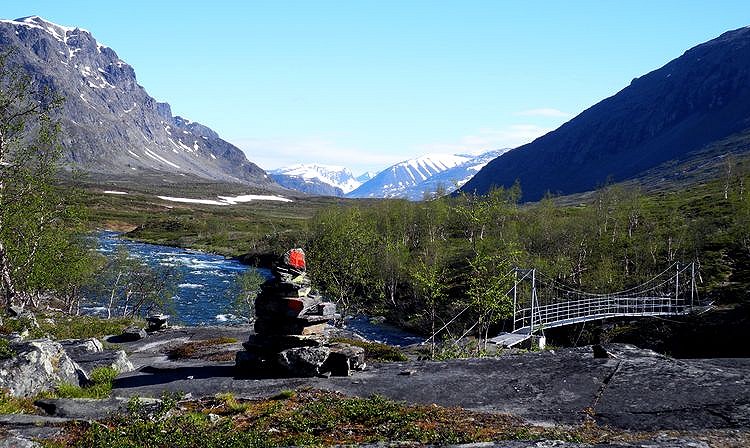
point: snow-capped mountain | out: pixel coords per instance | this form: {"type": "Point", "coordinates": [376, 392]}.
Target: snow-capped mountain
{"type": "Point", "coordinates": [364, 177]}
{"type": "Point", "coordinates": [109, 123]}
{"type": "Point", "coordinates": [411, 179]}
{"type": "Point", "coordinates": [316, 179]}
{"type": "Point", "coordinates": [457, 176]}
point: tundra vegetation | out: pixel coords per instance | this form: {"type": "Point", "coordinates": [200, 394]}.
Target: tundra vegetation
{"type": "Point", "coordinates": [310, 418]}
{"type": "Point", "coordinates": [421, 264]}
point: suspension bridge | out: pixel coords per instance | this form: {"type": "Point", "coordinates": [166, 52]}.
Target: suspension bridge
{"type": "Point", "coordinates": [540, 302]}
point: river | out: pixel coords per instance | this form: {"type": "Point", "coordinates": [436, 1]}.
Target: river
{"type": "Point", "coordinates": [205, 279]}
{"type": "Point", "coordinates": [203, 296]}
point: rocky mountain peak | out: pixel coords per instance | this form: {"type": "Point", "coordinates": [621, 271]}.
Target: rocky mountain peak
{"type": "Point", "coordinates": [110, 123]}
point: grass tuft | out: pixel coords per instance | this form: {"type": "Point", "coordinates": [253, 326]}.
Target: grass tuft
{"type": "Point", "coordinates": [16, 405]}
{"type": "Point", "coordinates": [100, 387]}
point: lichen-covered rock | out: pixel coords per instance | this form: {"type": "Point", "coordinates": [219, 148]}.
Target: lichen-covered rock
{"type": "Point", "coordinates": [303, 361]}
{"type": "Point", "coordinates": [38, 365]}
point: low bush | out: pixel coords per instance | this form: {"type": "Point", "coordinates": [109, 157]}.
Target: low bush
{"type": "Point", "coordinates": [82, 327]}
{"type": "Point", "coordinates": [193, 349]}
{"type": "Point", "coordinates": [375, 350]}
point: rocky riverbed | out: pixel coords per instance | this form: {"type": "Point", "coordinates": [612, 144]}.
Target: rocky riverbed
{"type": "Point", "coordinates": [631, 389]}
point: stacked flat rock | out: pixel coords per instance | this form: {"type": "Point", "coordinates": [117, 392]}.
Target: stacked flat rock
{"type": "Point", "coordinates": [289, 328]}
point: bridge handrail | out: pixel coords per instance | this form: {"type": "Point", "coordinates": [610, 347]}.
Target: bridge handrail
{"type": "Point", "coordinates": [546, 315]}
{"type": "Point", "coordinates": [640, 287]}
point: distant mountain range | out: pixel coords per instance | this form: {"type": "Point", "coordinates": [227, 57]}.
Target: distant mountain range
{"type": "Point", "coordinates": [410, 179]}
{"type": "Point", "coordinates": [316, 179]}
{"type": "Point", "coordinates": [110, 125]}
{"type": "Point", "coordinates": [414, 178]}
{"type": "Point", "coordinates": [669, 115]}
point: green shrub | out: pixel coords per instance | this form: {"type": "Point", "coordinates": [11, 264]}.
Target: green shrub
{"type": "Point", "coordinates": [285, 394]}
{"type": "Point", "coordinates": [232, 404]}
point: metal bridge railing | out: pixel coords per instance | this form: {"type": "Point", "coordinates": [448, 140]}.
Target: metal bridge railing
{"type": "Point", "coordinates": [592, 308]}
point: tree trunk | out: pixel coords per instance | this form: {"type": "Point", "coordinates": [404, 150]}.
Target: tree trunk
{"type": "Point", "coordinates": [6, 280]}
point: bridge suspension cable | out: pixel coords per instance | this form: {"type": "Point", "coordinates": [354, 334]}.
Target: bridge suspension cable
{"type": "Point", "coordinates": [548, 303]}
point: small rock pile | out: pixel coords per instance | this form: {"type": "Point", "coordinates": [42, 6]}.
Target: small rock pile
{"type": "Point", "coordinates": [289, 334]}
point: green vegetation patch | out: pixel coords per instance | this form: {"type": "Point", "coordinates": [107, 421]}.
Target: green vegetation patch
{"type": "Point", "coordinates": [6, 351]}
{"type": "Point", "coordinates": [16, 405]}
{"type": "Point", "coordinates": [375, 350]}
{"type": "Point", "coordinates": [64, 326]}
{"type": "Point", "coordinates": [311, 418]}
{"type": "Point", "coordinates": [82, 327]}
{"type": "Point", "coordinates": [100, 387]}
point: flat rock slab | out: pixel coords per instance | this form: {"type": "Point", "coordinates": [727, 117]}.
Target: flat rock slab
{"type": "Point", "coordinates": [650, 393]}
{"type": "Point", "coordinates": [82, 408]}
{"type": "Point", "coordinates": [636, 390]}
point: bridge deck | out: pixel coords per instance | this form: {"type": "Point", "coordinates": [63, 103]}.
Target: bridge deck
{"type": "Point", "coordinates": [510, 339]}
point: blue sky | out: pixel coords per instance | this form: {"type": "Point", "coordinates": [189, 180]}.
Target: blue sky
{"type": "Point", "coordinates": [368, 83]}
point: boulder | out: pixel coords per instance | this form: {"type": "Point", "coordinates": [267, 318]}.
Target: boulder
{"type": "Point", "coordinates": [278, 343]}
{"type": "Point", "coordinates": [15, 311]}
{"type": "Point", "coordinates": [345, 358]}
{"type": "Point", "coordinates": [116, 359]}
{"type": "Point", "coordinates": [157, 322]}
{"type": "Point", "coordinates": [90, 354]}
{"type": "Point", "coordinates": [132, 334]}
{"type": "Point", "coordinates": [38, 365]}
{"type": "Point", "coordinates": [303, 361]}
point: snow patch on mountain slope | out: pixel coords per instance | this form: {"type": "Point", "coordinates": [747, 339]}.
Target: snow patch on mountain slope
{"type": "Point", "coordinates": [227, 200]}
{"type": "Point", "coordinates": [396, 180]}
{"type": "Point", "coordinates": [413, 179]}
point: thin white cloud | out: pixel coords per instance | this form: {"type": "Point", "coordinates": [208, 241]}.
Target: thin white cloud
{"type": "Point", "coordinates": [544, 112]}
{"type": "Point", "coordinates": [272, 153]}
{"type": "Point", "coordinates": [487, 139]}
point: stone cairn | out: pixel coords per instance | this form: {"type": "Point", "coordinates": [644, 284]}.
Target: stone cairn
{"type": "Point", "coordinates": [290, 324]}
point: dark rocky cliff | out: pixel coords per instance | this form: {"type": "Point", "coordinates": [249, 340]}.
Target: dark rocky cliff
{"type": "Point", "coordinates": [699, 98]}
{"type": "Point", "coordinates": [110, 123]}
